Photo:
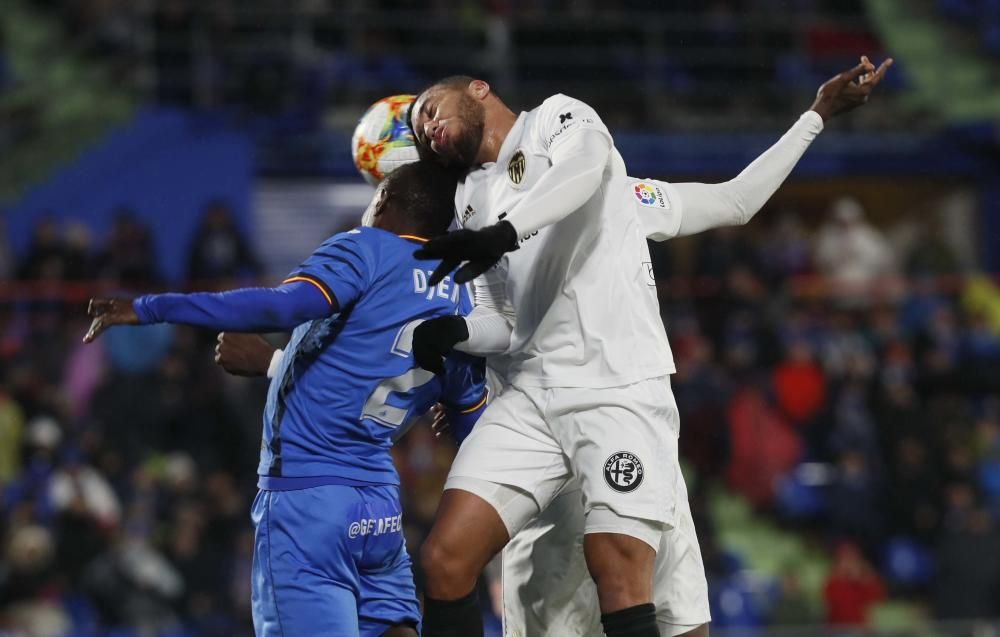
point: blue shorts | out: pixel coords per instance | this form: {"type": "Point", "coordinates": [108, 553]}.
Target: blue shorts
{"type": "Point", "coordinates": [331, 560]}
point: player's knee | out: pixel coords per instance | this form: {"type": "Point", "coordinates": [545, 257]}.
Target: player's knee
{"type": "Point", "coordinates": [449, 573]}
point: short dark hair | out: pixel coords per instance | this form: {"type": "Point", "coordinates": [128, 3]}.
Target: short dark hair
{"type": "Point", "coordinates": [424, 192]}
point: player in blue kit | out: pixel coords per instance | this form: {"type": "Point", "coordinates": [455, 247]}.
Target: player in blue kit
{"type": "Point", "coordinates": [329, 554]}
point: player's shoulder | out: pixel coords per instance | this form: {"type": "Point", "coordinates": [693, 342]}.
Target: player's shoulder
{"type": "Point", "coordinates": [363, 242]}
{"type": "Point", "coordinates": [559, 102]}
{"type": "Point", "coordinates": [361, 236]}
{"type": "Point", "coordinates": [557, 99]}
{"type": "Point", "coordinates": [561, 114]}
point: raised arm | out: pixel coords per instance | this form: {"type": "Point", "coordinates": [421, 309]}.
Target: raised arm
{"type": "Point", "coordinates": [735, 202]}
{"type": "Point", "coordinates": [697, 207]}
{"type": "Point", "coordinates": [334, 276]}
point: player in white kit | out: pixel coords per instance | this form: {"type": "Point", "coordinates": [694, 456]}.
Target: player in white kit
{"type": "Point", "coordinates": [586, 358]}
{"type": "Point", "coordinates": [546, 587]}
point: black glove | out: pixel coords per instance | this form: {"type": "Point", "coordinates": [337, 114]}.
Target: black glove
{"type": "Point", "coordinates": [435, 338]}
{"type": "Point", "coordinates": [481, 248]}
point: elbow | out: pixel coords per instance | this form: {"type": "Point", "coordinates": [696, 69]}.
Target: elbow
{"type": "Point", "coordinates": [741, 211]}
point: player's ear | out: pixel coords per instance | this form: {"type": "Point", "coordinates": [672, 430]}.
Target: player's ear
{"type": "Point", "coordinates": [375, 207]}
{"type": "Point", "coordinates": [479, 89]}
{"type": "Point", "coordinates": [381, 201]}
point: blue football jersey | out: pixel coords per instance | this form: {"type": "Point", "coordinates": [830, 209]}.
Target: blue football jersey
{"type": "Point", "coordinates": [347, 386]}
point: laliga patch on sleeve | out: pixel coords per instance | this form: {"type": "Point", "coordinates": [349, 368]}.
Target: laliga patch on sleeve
{"type": "Point", "coordinates": [651, 195]}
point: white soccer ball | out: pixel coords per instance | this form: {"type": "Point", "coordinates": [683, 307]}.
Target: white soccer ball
{"type": "Point", "coordinates": [382, 141]}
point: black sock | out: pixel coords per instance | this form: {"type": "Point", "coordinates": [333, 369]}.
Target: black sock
{"type": "Point", "coordinates": [637, 621]}
{"type": "Point", "coordinates": [458, 618]}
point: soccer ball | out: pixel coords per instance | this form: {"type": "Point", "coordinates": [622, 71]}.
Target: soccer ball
{"type": "Point", "coordinates": [382, 142]}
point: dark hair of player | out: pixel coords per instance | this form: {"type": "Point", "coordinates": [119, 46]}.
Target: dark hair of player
{"type": "Point", "coordinates": [423, 193]}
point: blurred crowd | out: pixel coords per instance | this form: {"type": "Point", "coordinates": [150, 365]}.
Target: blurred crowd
{"type": "Point", "coordinates": [848, 389]}
{"type": "Point", "coordinates": [838, 385]}
{"type": "Point", "coordinates": [126, 468]}
{"type": "Point", "coordinates": [293, 60]}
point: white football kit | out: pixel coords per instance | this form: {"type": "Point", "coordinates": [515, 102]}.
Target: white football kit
{"type": "Point", "coordinates": [546, 586]}
{"type": "Point", "coordinates": [587, 359]}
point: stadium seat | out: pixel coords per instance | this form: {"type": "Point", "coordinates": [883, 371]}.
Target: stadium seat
{"type": "Point", "coordinates": [906, 563]}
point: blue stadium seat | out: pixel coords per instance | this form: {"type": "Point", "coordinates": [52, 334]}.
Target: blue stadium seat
{"type": "Point", "coordinates": [906, 562]}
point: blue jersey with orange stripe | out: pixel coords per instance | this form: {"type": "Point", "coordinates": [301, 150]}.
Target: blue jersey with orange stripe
{"type": "Point", "coordinates": [347, 386]}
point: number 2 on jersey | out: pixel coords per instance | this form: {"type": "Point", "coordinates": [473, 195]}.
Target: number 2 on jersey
{"type": "Point", "coordinates": [376, 407]}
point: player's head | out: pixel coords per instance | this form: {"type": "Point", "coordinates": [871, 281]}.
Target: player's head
{"type": "Point", "coordinates": [416, 198]}
{"type": "Point", "coordinates": [448, 119]}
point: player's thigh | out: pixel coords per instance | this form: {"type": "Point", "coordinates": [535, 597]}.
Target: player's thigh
{"type": "Point", "coordinates": [547, 589]}
{"type": "Point", "coordinates": [387, 596]}
{"type": "Point", "coordinates": [622, 444]}
{"type": "Point", "coordinates": [510, 454]}
{"type": "Point", "coordinates": [304, 581]}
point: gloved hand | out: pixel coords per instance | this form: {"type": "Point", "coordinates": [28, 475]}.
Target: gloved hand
{"type": "Point", "coordinates": [434, 339]}
{"type": "Point", "coordinates": [481, 248]}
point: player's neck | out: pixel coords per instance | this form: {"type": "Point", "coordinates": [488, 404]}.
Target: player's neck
{"type": "Point", "coordinates": [498, 125]}
{"type": "Point", "coordinates": [399, 228]}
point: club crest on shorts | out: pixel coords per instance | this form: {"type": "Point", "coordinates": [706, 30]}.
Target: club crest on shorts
{"type": "Point", "coordinates": [515, 168]}
{"type": "Point", "coordinates": [623, 472]}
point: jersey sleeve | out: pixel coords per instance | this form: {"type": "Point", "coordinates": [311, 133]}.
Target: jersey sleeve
{"type": "Point", "coordinates": [561, 117]}
{"type": "Point", "coordinates": [464, 394]}
{"type": "Point", "coordinates": [658, 205]}
{"type": "Point", "coordinates": [464, 383]}
{"type": "Point", "coordinates": [341, 268]}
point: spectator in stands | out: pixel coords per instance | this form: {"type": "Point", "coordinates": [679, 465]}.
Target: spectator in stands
{"type": "Point", "coordinates": [852, 252]}
{"type": "Point", "coordinates": [79, 488]}
{"type": "Point", "coordinates": [219, 250]}
{"type": "Point", "coordinates": [851, 588]}
{"type": "Point", "coordinates": [931, 254]}
{"type": "Point", "coordinates": [47, 257]}
{"type": "Point", "coordinates": [969, 568]}
{"type": "Point", "coordinates": [916, 490]}
{"type": "Point", "coordinates": [799, 384]}
{"type": "Point", "coordinates": [856, 500]}
{"type": "Point", "coordinates": [28, 583]}
{"type": "Point", "coordinates": [128, 255]}
{"type": "Point", "coordinates": [788, 252]}
{"type": "Point", "coordinates": [763, 446]}
{"type": "Point", "coordinates": [793, 607]}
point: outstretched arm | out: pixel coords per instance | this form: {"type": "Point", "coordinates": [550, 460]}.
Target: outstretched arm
{"type": "Point", "coordinates": [334, 276]}
{"type": "Point", "coordinates": [702, 207]}
{"type": "Point", "coordinates": [735, 202]}
{"type": "Point", "coordinates": [245, 310]}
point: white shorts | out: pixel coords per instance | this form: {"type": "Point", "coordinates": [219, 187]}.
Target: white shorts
{"type": "Point", "coordinates": [548, 591]}
{"type": "Point", "coordinates": [619, 444]}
